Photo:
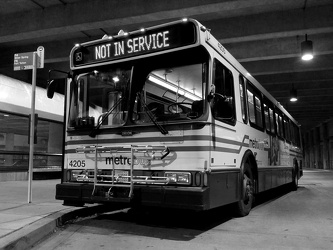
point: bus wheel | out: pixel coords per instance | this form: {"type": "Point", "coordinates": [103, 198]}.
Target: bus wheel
{"type": "Point", "coordinates": [244, 205]}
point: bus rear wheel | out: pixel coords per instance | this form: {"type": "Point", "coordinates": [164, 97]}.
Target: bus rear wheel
{"type": "Point", "coordinates": [243, 206]}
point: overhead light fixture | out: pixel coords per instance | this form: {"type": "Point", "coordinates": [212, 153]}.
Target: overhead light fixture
{"type": "Point", "coordinates": [173, 87]}
{"type": "Point", "coordinates": [293, 94]}
{"type": "Point", "coordinates": [307, 49]}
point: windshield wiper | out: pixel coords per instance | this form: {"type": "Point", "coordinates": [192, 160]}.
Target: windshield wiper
{"type": "Point", "coordinates": [151, 116]}
{"type": "Point", "coordinates": [104, 116]}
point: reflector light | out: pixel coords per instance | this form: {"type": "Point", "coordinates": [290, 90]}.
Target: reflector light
{"type": "Point", "coordinates": [198, 179]}
{"type": "Point", "coordinates": [205, 179]}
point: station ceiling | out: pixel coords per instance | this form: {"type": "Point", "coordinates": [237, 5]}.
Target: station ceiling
{"type": "Point", "coordinates": [263, 35]}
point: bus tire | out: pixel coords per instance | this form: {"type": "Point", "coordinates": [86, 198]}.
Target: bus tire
{"type": "Point", "coordinates": [244, 205]}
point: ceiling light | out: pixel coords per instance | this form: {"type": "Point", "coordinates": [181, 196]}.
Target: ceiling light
{"type": "Point", "coordinates": [293, 94]}
{"type": "Point", "coordinates": [307, 49]}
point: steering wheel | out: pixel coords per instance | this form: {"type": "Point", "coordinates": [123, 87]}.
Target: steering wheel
{"type": "Point", "coordinates": [177, 104]}
{"type": "Point", "coordinates": [220, 95]}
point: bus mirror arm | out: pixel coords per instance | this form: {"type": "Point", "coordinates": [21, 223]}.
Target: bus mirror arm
{"type": "Point", "coordinates": [210, 97]}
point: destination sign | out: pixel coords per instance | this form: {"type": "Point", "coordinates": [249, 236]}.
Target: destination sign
{"type": "Point", "coordinates": [150, 41]}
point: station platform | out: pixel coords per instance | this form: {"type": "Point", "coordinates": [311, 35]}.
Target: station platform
{"type": "Point", "coordinates": [23, 224]}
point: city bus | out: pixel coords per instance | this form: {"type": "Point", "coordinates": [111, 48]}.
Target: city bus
{"type": "Point", "coordinates": [166, 117]}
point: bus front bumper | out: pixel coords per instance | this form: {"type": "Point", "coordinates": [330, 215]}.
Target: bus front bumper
{"type": "Point", "coordinates": [193, 198]}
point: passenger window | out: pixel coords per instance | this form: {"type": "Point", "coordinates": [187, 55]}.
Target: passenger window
{"type": "Point", "coordinates": [223, 104]}
{"type": "Point", "coordinates": [269, 116]}
{"type": "Point", "coordinates": [258, 112]}
{"type": "Point", "coordinates": [277, 124]}
{"type": "Point", "coordinates": [281, 126]}
{"type": "Point", "coordinates": [286, 128]}
{"type": "Point", "coordinates": [267, 120]}
{"type": "Point", "coordinates": [250, 102]}
{"type": "Point", "coordinates": [254, 104]}
{"type": "Point", "coordinates": [242, 97]}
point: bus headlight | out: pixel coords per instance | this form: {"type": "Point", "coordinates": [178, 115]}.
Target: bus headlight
{"type": "Point", "coordinates": [77, 175]}
{"type": "Point", "coordinates": [179, 177]}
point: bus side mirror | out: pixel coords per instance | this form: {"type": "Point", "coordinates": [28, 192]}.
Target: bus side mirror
{"type": "Point", "coordinates": [51, 83]}
{"type": "Point", "coordinates": [50, 88]}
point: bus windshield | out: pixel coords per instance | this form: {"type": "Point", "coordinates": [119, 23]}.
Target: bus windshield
{"type": "Point", "coordinates": [100, 97]}
{"type": "Point", "coordinates": [145, 92]}
{"type": "Point", "coordinates": [169, 94]}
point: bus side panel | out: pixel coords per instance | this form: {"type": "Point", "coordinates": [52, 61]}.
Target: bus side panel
{"type": "Point", "coordinates": [224, 188]}
{"type": "Point", "coordinates": [271, 178]}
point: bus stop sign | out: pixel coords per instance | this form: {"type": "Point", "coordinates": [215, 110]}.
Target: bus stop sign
{"type": "Point", "coordinates": [24, 61]}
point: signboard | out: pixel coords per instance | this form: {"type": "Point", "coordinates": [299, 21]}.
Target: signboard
{"type": "Point", "coordinates": [24, 61]}
{"type": "Point", "coordinates": [138, 43]}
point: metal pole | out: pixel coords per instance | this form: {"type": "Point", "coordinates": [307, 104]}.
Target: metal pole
{"type": "Point", "coordinates": [32, 125]}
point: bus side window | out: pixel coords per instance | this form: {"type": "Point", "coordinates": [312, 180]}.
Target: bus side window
{"type": "Point", "coordinates": [255, 110]}
{"type": "Point", "coordinates": [267, 120]}
{"type": "Point", "coordinates": [223, 105]}
{"type": "Point", "coordinates": [269, 116]}
{"type": "Point", "coordinates": [277, 124]}
{"type": "Point", "coordinates": [242, 98]}
{"type": "Point", "coordinates": [286, 128]}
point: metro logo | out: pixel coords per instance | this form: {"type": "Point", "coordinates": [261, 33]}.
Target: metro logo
{"type": "Point", "coordinates": [123, 160]}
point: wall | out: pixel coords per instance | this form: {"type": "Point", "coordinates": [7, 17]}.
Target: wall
{"type": "Point", "coordinates": [318, 146]}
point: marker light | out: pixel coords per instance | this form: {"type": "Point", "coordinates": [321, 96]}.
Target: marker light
{"type": "Point", "coordinates": [178, 177]}
{"type": "Point", "coordinates": [185, 19]}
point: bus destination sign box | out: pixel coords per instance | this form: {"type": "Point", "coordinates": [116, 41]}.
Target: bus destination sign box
{"type": "Point", "coordinates": [138, 43]}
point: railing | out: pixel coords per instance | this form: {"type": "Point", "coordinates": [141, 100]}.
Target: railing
{"type": "Point", "coordinates": [18, 161]}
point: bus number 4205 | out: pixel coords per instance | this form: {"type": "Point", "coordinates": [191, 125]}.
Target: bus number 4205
{"type": "Point", "coordinates": [77, 163]}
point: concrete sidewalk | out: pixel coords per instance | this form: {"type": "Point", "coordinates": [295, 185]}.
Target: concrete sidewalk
{"type": "Point", "coordinates": [22, 224]}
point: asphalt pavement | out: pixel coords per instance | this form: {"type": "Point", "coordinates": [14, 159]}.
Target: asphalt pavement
{"type": "Point", "coordinates": [23, 224]}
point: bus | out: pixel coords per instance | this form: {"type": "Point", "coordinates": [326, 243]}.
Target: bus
{"type": "Point", "coordinates": [166, 117]}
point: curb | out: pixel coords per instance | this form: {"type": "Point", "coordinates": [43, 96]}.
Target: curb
{"type": "Point", "coordinates": [28, 236]}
